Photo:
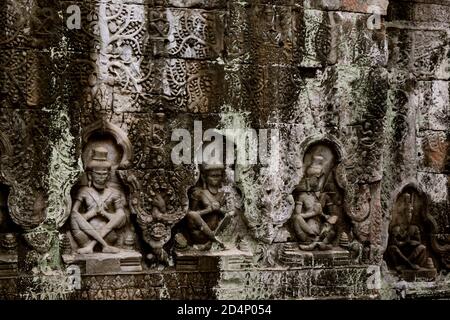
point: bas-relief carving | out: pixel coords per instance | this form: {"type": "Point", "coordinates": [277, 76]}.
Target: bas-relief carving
{"type": "Point", "coordinates": [8, 230]}
{"type": "Point", "coordinates": [100, 224]}
{"type": "Point", "coordinates": [327, 221]}
{"type": "Point", "coordinates": [314, 219]}
{"type": "Point", "coordinates": [8, 241]}
{"type": "Point", "coordinates": [320, 218]}
{"type": "Point", "coordinates": [159, 201]}
{"type": "Point", "coordinates": [209, 206]}
{"type": "Point", "coordinates": [103, 207]}
{"type": "Point", "coordinates": [213, 223]}
{"type": "Point", "coordinates": [409, 251]}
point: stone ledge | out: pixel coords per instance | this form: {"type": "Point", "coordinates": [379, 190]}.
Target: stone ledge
{"type": "Point", "coordinates": [367, 6]}
{"type": "Point", "coordinates": [8, 265]}
{"type": "Point", "coordinates": [100, 263]}
{"type": "Point", "coordinates": [291, 255]}
{"type": "Point", "coordinates": [193, 260]}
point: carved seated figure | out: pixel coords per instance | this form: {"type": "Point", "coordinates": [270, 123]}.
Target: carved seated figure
{"type": "Point", "coordinates": [312, 220]}
{"type": "Point", "coordinates": [405, 249]}
{"type": "Point", "coordinates": [207, 208]}
{"type": "Point", "coordinates": [8, 241]}
{"type": "Point", "coordinates": [103, 207]}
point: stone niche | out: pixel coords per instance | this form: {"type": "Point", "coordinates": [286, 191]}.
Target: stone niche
{"type": "Point", "coordinates": [409, 251]}
{"type": "Point", "coordinates": [8, 229]}
{"type": "Point", "coordinates": [100, 233]}
{"type": "Point", "coordinates": [213, 229]}
{"type": "Point", "coordinates": [320, 230]}
{"type": "Point", "coordinates": [8, 236]}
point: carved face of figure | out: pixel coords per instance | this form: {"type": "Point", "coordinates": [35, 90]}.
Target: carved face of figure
{"type": "Point", "coordinates": [213, 178]}
{"type": "Point", "coordinates": [316, 167]}
{"type": "Point", "coordinates": [99, 178]}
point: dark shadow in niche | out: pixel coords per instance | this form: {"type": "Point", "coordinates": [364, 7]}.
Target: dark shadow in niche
{"type": "Point", "coordinates": [4, 192]}
{"type": "Point", "coordinates": [8, 236]}
{"type": "Point", "coordinates": [410, 232]}
{"type": "Point", "coordinates": [6, 223]}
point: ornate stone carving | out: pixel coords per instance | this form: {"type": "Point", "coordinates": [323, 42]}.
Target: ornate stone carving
{"type": "Point", "coordinates": [318, 201]}
{"type": "Point", "coordinates": [8, 231]}
{"type": "Point", "coordinates": [104, 206]}
{"type": "Point", "coordinates": [26, 162]}
{"type": "Point", "coordinates": [212, 206]}
{"type": "Point", "coordinates": [408, 250]}
{"type": "Point", "coordinates": [100, 218]}
{"type": "Point", "coordinates": [186, 33]}
{"type": "Point", "coordinates": [8, 241]}
{"type": "Point", "coordinates": [159, 202]}
{"type": "Point", "coordinates": [330, 220]}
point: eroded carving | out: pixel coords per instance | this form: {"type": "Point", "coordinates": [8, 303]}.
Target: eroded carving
{"type": "Point", "coordinates": [8, 236]}
{"type": "Point", "coordinates": [213, 220]}
{"type": "Point", "coordinates": [407, 251]}
{"type": "Point", "coordinates": [318, 201]}
{"type": "Point", "coordinates": [8, 241]}
{"type": "Point", "coordinates": [104, 207]}
{"type": "Point", "coordinates": [206, 209]}
{"type": "Point", "coordinates": [100, 220]}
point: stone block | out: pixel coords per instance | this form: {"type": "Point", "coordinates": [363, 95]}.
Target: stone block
{"type": "Point", "coordinates": [105, 263]}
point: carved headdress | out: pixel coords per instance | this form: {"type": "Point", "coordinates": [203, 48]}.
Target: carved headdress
{"type": "Point", "coordinates": [211, 166]}
{"type": "Point", "coordinates": [99, 160]}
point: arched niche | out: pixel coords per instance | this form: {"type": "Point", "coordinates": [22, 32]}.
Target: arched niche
{"type": "Point", "coordinates": [100, 199]}
{"type": "Point", "coordinates": [328, 141]}
{"type": "Point", "coordinates": [410, 234]}
{"type": "Point", "coordinates": [111, 137]}
{"type": "Point", "coordinates": [319, 221]}
{"type": "Point", "coordinates": [8, 241]}
{"type": "Point", "coordinates": [208, 224]}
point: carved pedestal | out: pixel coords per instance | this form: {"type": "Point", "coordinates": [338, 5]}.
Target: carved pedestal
{"type": "Point", "coordinates": [8, 265]}
{"type": "Point", "coordinates": [290, 254]}
{"type": "Point", "coordinates": [106, 263]}
{"type": "Point", "coordinates": [418, 275]}
{"type": "Point", "coordinates": [193, 260]}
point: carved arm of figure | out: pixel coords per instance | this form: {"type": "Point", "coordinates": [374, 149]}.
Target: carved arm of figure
{"type": "Point", "coordinates": [398, 238]}
{"type": "Point", "coordinates": [414, 236]}
{"type": "Point", "coordinates": [210, 205]}
{"type": "Point", "coordinates": [118, 214]}
{"type": "Point", "coordinates": [306, 215]}
{"type": "Point", "coordinates": [160, 212]}
{"type": "Point", "coordinates": [159, 207]}
{"type": "Point", "coordinates": [88, 215]}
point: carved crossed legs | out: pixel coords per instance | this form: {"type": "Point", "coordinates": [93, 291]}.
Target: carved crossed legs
{"type": "Point", "coordinates": [414, 260]}
{"type": "Point", "coordinates": [303, 230]}
{"type": "Point", "coordinates": [200, 226]}
{"type": "Point", "coordinates": [80, 224]}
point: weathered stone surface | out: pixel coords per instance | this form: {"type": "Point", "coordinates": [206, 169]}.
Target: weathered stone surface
{"type": "Point", "coordinates": [369, 6]}
{"type": "Point", "coordinates": [353, 96]}
{"type": "Point", "coordinates": [432, 98]}
{"type": "Point", "coordinates": [105, 263]}
{"type": "Point", "coordinates": [433, 151]}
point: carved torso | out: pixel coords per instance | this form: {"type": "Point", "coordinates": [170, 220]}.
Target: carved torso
{"type": "Point", "coordinates": [202, 199]}
{"type": "Point", "coordinates": [110, 198]}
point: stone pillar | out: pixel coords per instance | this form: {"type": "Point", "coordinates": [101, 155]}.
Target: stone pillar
{"type": "Point", "coordinates": [417, 151]}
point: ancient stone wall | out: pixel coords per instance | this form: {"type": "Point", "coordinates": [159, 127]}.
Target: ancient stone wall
{"type": "Point", "coordinates": [109, 188]}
